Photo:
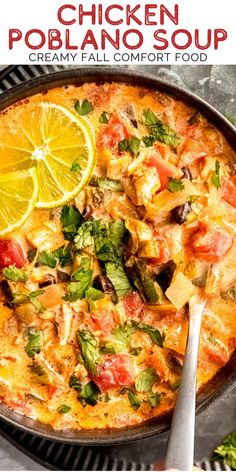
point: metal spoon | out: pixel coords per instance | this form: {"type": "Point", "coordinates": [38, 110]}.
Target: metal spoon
{"type": "Point", "coordinates": [180, 448]}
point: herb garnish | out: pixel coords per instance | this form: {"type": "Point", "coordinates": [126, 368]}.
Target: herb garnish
{"type": "Point", "coordinates": [154, 399]}
{"type": "Point", "coordinates": [76, 167]}
{"type": "Point", "coordinates": [84, 107]}
{"type": "Point", "coordinates": [34, 343]}
{"type": "Point", "coordinates": [81, 280]}
{"type": "Point", "coordinates": [158, 130]}
{"type": "Point", "coordinates": [23, 297]}
{"type": "Point", "coordinates": [89, 350]}
{"type": "Point", "coordinates": [148, 141]}
{"type": "Point", "coordinates": [134, 400]}
{"type": "Point", "coordinates": [89, 394]}
{"type": "Point", "coordinates": [15, 274]}
{"type": "Point", "coordinates": [216, 175]}
{"type": "Point", "coordinates": [227, 450]}
{"type": "Point", "coordinates": [63, 409]}
{"type": "Point", "coordinates": [47, 258]}
{"type": "Point", "coordinates": [175, 185]}
{"type": "Point", "coordinates": [71, 220]}
{"type": "Point", "coordinates": [104, 117]}
{"type": "Point", "coordinates": [131, 145]}
{"type": "Point", "coordinates": [145, 380]}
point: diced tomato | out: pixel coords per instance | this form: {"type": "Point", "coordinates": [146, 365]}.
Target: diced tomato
{"type": "Point", "coordinates": [133, 304]}
{"type": "Point", "coordinates": [51, 390]}
{"type": "Point", "coordinates": [228, 189]}
{"type": "Point", "coordinates": [116, 371]}
{"type": "Point", "coordinates": [210, 243]}
{"type": "Point", "coordinates": [112, 133]}
{"type": "Point", "coordinates": [103, 321]}
{"type": "Point", "coordinates": [164, 170]}
{"type": "Point", "coordinates": [11, 253]}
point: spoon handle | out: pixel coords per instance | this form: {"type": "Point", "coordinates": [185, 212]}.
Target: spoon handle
{"type": "Point", "coordinates": [180, 448]}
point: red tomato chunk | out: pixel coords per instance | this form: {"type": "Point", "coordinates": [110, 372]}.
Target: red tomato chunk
{"type": "Point", "coordinates": [211, 244]}
{"type": "Point", "coordinates": [11, 253]}
{"type": "Point", "coordinates": [114, 132]}
{"type": "Point", "coordinates": [116, 370]}
{"type": "Point", "coordinates": [133, 304]}
{"type": "Point", "coordinates": [228, 189]}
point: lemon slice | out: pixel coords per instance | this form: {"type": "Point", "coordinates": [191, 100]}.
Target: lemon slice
{"type": "Point", "coordinates": [18, 195]}
{"type": "Point", "coordinates": [54, 140]}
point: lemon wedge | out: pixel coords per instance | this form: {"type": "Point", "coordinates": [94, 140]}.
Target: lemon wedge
{"type": "Point", "coordinates": [18, 195]}
{"type": "Point", "coordinates": [54, 141]}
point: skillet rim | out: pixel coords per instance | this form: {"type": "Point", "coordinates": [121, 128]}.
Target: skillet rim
{"type": "Point", "coordinates": [225, 379]}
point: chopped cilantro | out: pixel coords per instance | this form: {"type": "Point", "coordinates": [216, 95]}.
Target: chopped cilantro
{"type": "Point", "coordinates": [145, 380]}
{"type": "Point", "coordinates": [117, 276]}
{"type": "Point", "coordinates": [34, 343]}
{"type": "Point", "coordinates": [227, 451]}
{"type": "Point", "coordinates": [131, 145]}
{"type": "Point", "coordinates": [75, 383]}
{"type": "Point", "coordinates": [148, 140]}
{"type": "Point", "coordinates": [81, 280]}
{"type": "Point", "coordinates": [63, 409]}
{"type": "Point", "coordinates": [71, 220]}
{"type": "Point", "coordinates": [154, 333]}
{"type": "Point", "coordinates": [47, 258]}
{"type": "Point", "coordinates": [84, 107]}
{"type": "Point", "coordinates": [110, 184]}
{"type": "Point", "coordinates": [175, 185]}
{"type": "Point", "coordinates": [216, 175]}
{"type": "Point", "coordinates": [31, 297]}
{"type": "Point", "coordinates": [134, 400]}
{"type": "Point", "coordinates": [104, 117]}
{"type": "Point", "coordinates": [76, 167]}
{"type": "Point", "coordinates": [89, 350]}
{"type": "Point", "coordinates": [15, 274]}
{"type": "Point", "coordinates": [158, 130]}
{"type": "Point", "coordinates": [154, 399]}
{"type": "Point", "coordinates": [89, 394]}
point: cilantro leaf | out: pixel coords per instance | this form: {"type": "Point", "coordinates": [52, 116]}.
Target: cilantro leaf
{"type": "Point", "coordinates": [24, 297]}
{"type": "Point", "coordinates": [227, 450]}
{"type": "Point", "coordinates": [154, 333]}
{"type": "Point", "coordinates": [117, 276]}
{"type": "Point", "coordinates": [39, 307]}
{"type": "Point", "coordinates": [84, 236]}
{"type": "Point", "coordinates": [123, 332]}
{"type": "Point", "coordinates": [131, 145]}
{"type": "Point", "coordinates": [47, 258]}
{"type": "Point", "coordinates": [110, 184]}
{"type": "Point", "coordinates": [89, 393]}
{"type": "Point", "coordinates": [64, 254]}
{"type": "Point", "coordinates": [215, 178]}
{"type": "Point", "coordinates": [148, 140]}
{"type": "Point", "coordinates": [154, 399]}
{"type": "Point", "coordinates": [34, 343]}
{"type": "Point", "coordinates": [15, 274]}
{"type": "Point", "coordinates": [84, 107]}
{"type": "Point", "coordinates": [75, 383]}
{"type": "Point", "coordinates": [145, 380]}
{"type": "Point", "coordinates": [71, 220]}
{"type": "Point", "coordinates": [159, 130]}
{"type": "Point", "coordinates": [76, 167]}
{"type": "Point", "coordinates": [133, 398]}
{"type": "Point", "coordinates": [175, 185]}
{"type": "Point", "coordinates": [89, 350]}
{"type": "Point", "coordinates": [104, 117]}
{"type": "Point", "coordinates": [81, 279]}
{"type": "Point", "coordinates": [63, 409]}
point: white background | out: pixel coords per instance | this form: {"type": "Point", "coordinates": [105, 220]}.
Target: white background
{"type": "Point", "coordinates": [42, 14]}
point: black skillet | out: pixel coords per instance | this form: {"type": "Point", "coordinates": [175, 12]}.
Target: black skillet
{"type": "Point", "coordinates": [227, 376]}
